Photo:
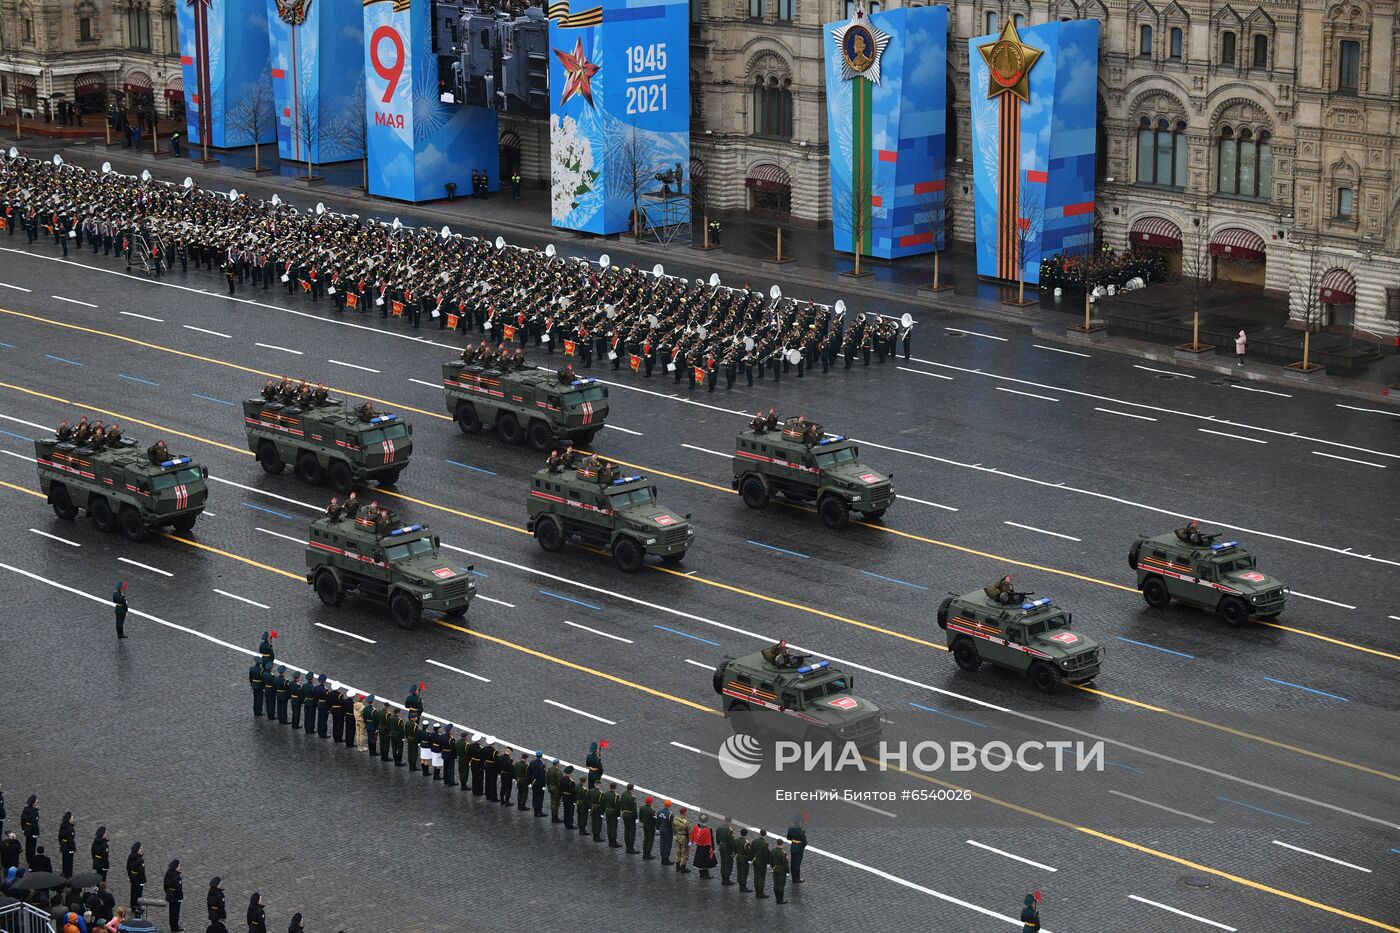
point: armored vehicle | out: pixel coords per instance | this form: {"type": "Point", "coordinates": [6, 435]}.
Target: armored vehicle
{"type": "Point", "coordinates": [537, 405]}
{"type": "Point", "coordinates": [801, 463]}
{"type": "Point", "coordinates": [1030, 636]}
{"type": "Point", "coordinates": [808, 700]}
{"type": "Point", "coordinates": [328, 441]}
{"type": "Point", "coordinates": [1206, 574]}
{"type": "Point", "coordinates": [595, 505]}
{"type": "Point", "coordinates": [121, 486]}
{"type": "Point", "coordinates": [388, 562]}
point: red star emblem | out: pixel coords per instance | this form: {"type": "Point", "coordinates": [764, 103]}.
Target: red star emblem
{"type": "Point", "coordinates": [579, 71]}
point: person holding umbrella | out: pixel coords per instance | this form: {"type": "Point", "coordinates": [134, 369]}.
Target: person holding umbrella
{"type": "Point", "coordinates": [100, 859]}
{"type": "Point", "coordinates": [119, 607]}
{"type": "Point", "coordinates": [257, 915]}
{"type": "Point", "coordinates": [67, 842]}
{"type": "Point", "coordinates": [136, 873]}
{"type": "Point", "coordinates": [174, 893]}
{"type": "Point", "coordinates": [215, 902]}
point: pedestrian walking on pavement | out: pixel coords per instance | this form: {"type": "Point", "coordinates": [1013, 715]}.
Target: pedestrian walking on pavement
{"type": "Point", "coordinates": [1241, 341]}
{"type": "Point", "coordinates": [174, 893]}
{"type": "Point", "coordinates": [119, 607]}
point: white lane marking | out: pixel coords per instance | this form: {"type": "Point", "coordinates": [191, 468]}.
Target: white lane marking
{"type": "Point", "coordinates": [1252, 440]}
{"type": "Point", "coordinates": [1182, 913]}
{"type": "Point", "coordinates": [270, 346]}
{"type": "Point", "coordinates": [1027, 394]}
{"type": "Point", "coordinates": [1053, 534]}
{"type": "Point", "coordinates": [1165, 372]}
{"type": "Point", "coordinates": [904, 498]}
{"type": "Point", "coordinates": [45, 534]}
{"type": "Point", "coordinates": [72, 301]}
{"type": "Point", "coordinates": [1190, 816]}
{"type": "Point", "coordinates": [341, 631]}
{"type": "Point", "coordinates": [706, 450]}
{"type": "Point", "coordinates": [278, 534]}
{"type": "Point", "coordinates": [597, 632]}
{"type": "Point", "coordinates": [1124, 414]}
{"type": "Point", "coordinates": [1396, 618]}
{"type": "Point", "coordinates": [1379, 466]}
{"type": "Point", "coordinates": [424, 382]}
{"type": "Point", "coordinates": [137, 563]}
{"type": "Point", "coordinates": [204, 331]}
{"type": "Point", "coordinates": [921, 372]}
{"type": "Point", "coordinates": [498, 602]}
{"type": "Point", "coordinates": [1325, 858]}
{"type": "Point", "coordinates": [41, 427]}
{"type": "Point", "coordinates": [1370, 411]}
{"type": "Point", "coordinates": [241, 599]}
{"type": "Point", "coordinates": [18, 288]}
{"type": "Point", "coordinates": [1319, 599]}
{"type": "Point", "coordinates": [458, 670]}
{"type": "Point", "coordinates": [606, 722]}
{"type": "Point", "coordinates": [1041, 346]}
{"type": "Point", "coordinates": [353, 366]}
{"type": "Point", "coordinates": [11, 453]}
{"type": "Point", "coordinates": [1013, 857]}
{"type": "Point", "coordinates": [708, 667]}
{"type": "Point", "coordinates": [1261, 391]}
{"type": "Point", "coordinates": [144, 317]}
{"type": "Point", "coordinates": [622, 429]}
{"type": "Point", "coordinates": [698, 751]}
{"type": "Point", "coordinates": [207, 514]}
{"type": "Point", "coordinates": [974, 333]}
{"type": "Point", "coordinates": [866, 806]}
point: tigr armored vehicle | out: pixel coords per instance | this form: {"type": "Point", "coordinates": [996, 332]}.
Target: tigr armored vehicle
{"type": "Point", "coordinates": [387, 562]}
{"type": "Point", "coordinates": [1029, 636]}
{"type": "Point", "coordinates": [537, 405]}
{"type": "Point", "coordinates": [801, 463]}
{"type": "Point", "coordinates": [807, 701]}
{"type": "Point", "coordinates": [328, 441]}
{"type": "Point", "coordinates": [1209, 575]}
{"type": "Point", "coordinates": [121, 487]}
{"type": "Point", "coordinates": [619, 513]}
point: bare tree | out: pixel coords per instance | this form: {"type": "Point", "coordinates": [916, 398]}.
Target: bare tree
{"type": "Point", "coordinates": [1030, 220]}
{"type": "Point", "coordinates": [699, 204]}
{"type": "Point", "coordinates": [1306, 298]}
{"type": "Point", "coordinates": [252, 115]}
{"type": "Point", "coordinates": [1196, 273]}
{"type": "Point", "coordinates": [851, 209]}
{"type": "Point", "coordinates": [350, 131]}
{"type": "Point", "coordinates": [631, 171]}
{"type": "Point", "coordinates": [932, 218]}
{"type": "Point", "coordinates": [307, 121]}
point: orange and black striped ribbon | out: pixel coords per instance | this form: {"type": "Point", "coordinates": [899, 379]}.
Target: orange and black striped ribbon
{"type": "Point", "coordinates": [1009, 189]}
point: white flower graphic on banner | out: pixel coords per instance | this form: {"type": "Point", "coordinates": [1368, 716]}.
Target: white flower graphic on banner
{"type": "Point", "coordinates": [571, 167]}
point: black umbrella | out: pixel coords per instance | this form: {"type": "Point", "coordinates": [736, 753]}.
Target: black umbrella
{"type": "Point", "coordinates": [7, 901]}
{"type": "Point", "coordinates": [38, 881]}
{"type": "Point", "coordinates": [84, 879]}
{"type": "Point", "coordinates": [136, 925]}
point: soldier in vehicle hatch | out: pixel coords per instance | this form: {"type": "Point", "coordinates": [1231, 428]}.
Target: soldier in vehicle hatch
{"type": "Point", "coordinates": [335, 509]}
{"type": "Point", "coordinates": [158, 453]}
{"type": "Point", "coordinates": [1002, 591]}
{"type": "Point", "coordinates": [1191, 534]}
{"type": "Point", "coordinates": [269, 390]}
{"type": "Point", "coordinates": [365, 412]}
{"type": "Point", "coordinates": [64, 432]}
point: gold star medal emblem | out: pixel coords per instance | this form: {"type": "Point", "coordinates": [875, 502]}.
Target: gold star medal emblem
{"type": "Point", "coordinates": [860, 45]}
{"type": "Point", "coordinates": [1009, 62]}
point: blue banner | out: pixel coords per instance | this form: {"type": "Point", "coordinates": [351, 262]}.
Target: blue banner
{"type": "Point", "coordinates": [318, 62]}
{"type": "Point", "coordinates": [619, 87]}
{"type": "Point", "coordinates": [224, 60]}
{"type": "Point", "coordinates": [417, 144]}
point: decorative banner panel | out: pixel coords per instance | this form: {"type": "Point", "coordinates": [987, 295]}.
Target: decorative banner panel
{"type": "Point", "coordinates": [1034, 97]}
{"type": "Point", "coordinates": [418, 144]}
{"type": "Point", "coordinates": [318, 62]}
{"type": "Point", "coordinates": [224, 61]}
{"type": "Point", "coordinates": [886, 104]}
{"type": "Point", "coordinates": [619, 86]}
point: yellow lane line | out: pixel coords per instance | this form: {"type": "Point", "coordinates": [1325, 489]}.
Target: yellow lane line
{"type": "Point", "coordinates": [300, 578]}
{"type": "Point", "coordinates": [676, 476]}
{"type": "Point", "coordinates": [1329, 639]}
{"type": "Point", "coordinates": [27, 492]}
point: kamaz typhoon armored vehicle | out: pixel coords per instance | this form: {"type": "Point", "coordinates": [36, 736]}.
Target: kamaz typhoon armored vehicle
{"type": "Point", "coordinates": [537, 405]}
{"type": "Point", "coordinates": [1011, 630]}
{"type": "Point", "coordinates": [802, 464]}
{"type": "Point", "coordinates": [323, 439]}
{"type": "Point", "coordinates": [119, 485]}
{"type": "Point", "coordinates": [806, 700]}
{"type": "Point", "coordinates": [1195, 569]}
{"type": "Point", "coordinates": [596, 505]}
{"type": "Point", "coordinates": [377, 557]}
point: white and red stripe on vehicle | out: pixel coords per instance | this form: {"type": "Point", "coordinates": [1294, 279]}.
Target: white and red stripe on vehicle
{"type": "Point", "coordinates": [776, 462]}
{"type": "Point", "coordinates": [344, 553]}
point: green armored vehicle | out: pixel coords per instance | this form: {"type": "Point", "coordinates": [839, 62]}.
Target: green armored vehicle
{"type": "Point", "coordinates": [808, 701]}
{"type": "Point", "coordinates": [1193, 568]}
{"type": "Point", "coordinates": [537, 405]}
{"type": "Point", "coordinates": [119, 485]}
{"type": "Point", "coordinates": [1030, 636]}
{"type": "Point", "coordinates": [325, 440]}
{"type": "Point", "coordinates": [597, 506]}
{"type": "Point", "coordinates": [385, 561]}
{"type": "Point", "coordinates": [802, 464]}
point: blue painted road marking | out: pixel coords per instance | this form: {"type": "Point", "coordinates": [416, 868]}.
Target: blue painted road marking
{"type": "Point", "coordinates": [980, 725]}
{"type": "Point", "coordinates": [577, 602]}
{"type": "Point", "coordinates": [686, 635]}
{"type": "Point", "coordinates": [881, 576]}
{"type": "Point", "coordinates": [1282, 816]}
{"type": "Point", "coordinates": [268, 511]}
{"type": "Point", "coordinates": [780, 550]}
{"type": "Point", "coordinates": [1309, 689]}
{"type": "Point", "coordinates": [210, 398]}
{"type": "Point", "coordinates": [1144, 644]}
{"type": "Point", "coordinates": [468, 466]}
{"type": "Point", "coordinates": [138, 379]}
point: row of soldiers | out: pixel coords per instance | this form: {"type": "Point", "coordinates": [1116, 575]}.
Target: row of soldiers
{"type": "Point", "coordinates": [498, 776]}
{"type": "Point", "coordinates": [301, 394]}
{"type": "Point", "coordinates": [627, 316]}
{"type": "Point", "coordinates": [95, 436]}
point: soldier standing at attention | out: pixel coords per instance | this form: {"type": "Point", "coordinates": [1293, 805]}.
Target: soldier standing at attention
{"type": "Point", "coordinates": [490, 767]}
{"type": "Point", "coordinates": [336, 708]}
{"type": "Point", "coordinates": [1030, 913]}
{"type": "Point", "coordinates": [475, 765]}
{"type": "Point", "coordinates": [629, 820]}
{"type": "Point", "coordinates": [760, 862]}
{"type": "Point", "coordinates": [371, 722]}
{"type": "Point", "coordinates": [596, 804]}
{"type": "Point", "coordinates": [553, 778]}
{"type": "Point", "coordinates": [449, 757]}
{"type": "Point", "coordinates": [255, 680]}
{"type": "Point", "coordinates": [308, 699]}
{"type": "Point", "coordinates": [354, 710]}
{"type": "Point", "coordinates": [743, 851]}
{"type": "Point", "coordinates": [724, 841]}
{"type": "Point", "coordinates": [294, 690]}
{"type": "Point", "coordinates": [281, 686]}
{"type": "Point", "coordinates": [507, 769]}
{"type": "Point", "coordinates": [567, 790]}
{"type": "Point", "coordinates": [435, 750]}
{"type": "Point", "coordinates": [265, 647]}
{"type": "Point", "coordinates": [779, 861]}
{"type": "Point", "coordinates": [396, 733]}
{"type": "Point", "coordinates": [664, 829]}
{"type": "Point", "coordinates": [414, 702]}
{"type": "Point", "coordinates": [323, 706]}
{"type": "Point", "coordinates": [648, 818]}
{"type": "Point", "coordinates": [680, 831]}
{"type": "Point", "coordinates": [612, 809]}
{"type": "Point", "coordinates": [119, 607]}
{"type": "Point", "coordinates": [384, 720]}
{"type": "Point", "coordinates": [522, 784]}
{"type": "Point", "coordinates": [595, 766]}
{"type": "Point", "coordinates": [797, 837]}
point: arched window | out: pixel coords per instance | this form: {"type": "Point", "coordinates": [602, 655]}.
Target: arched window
{"type": "Point", "coordinates": [138, 29]}
{"type": "Point", "coordinates": [772, 106]}
{"type": "Point", "coordinates": [1162, 152]}
{"type": "Point", "coordinates": [1246, 163]}
{"type": "Point", "coordinates": [1261, 50]}
{"type": "Point", "coordinates": [1227, 48]}
{"type": "Point", "coordinates": [1145, 41]}
{"type": "Point", "coordinates": [1020, 20]}
{"type": "Point", "coordinates": [991, 21]}
{"type": "Point", "coordinates": [1346, 203]}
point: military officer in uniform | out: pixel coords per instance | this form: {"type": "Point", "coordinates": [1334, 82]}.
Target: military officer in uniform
{"type": "Point", "coordinates": [397, 729]}
{"type": "Point", "coordinates": [521, 770]}
{"type": "Point", "coordinates": [629, 819]}
{"type": "Point", "coordinates": [567, 791]}
{"type": "Point", "coordinates": [595, 765]}
{"type": "Point", "coordinates": [490, 766]}
{"type": "Point", "coordinates": [612, 811]}
{"type": "Point", "coordinates": [553, 778]}
{"type": "Point", "coordinates": [119, 607]}
{"type": "Point", "coordinates": [680, 832]}
{"type": "Point", "coordinates": [1002, 591]}
{"type": "Point", "coordinates": [1030, 913]}
{"type": "Point", "coordinates": [323, 706]}
{"type": "Point", "coordinates": [308, 697]}
{"type": "Point", "coordinates": [664, 830]}
{"type": "Point", "coordinates": [269, 677]}
{"type": "Point", "coordinates": [596, 803]}
{"type": "Point", "coordinates": [475, 767]}
{"type": "Point", "coordinates": [371, 724]}
{"type": "Point", "coordinates": [648, 818]}
{"type": "Point", "coordinates": [797, 838]}
{"type": "Point", "coordinates": [507, 769]}
{"type": "Point", "coordinates": [281, 687]}
{"type": "Point", "coordinates": [760, 862]}
{"type": "Point", "coordinates": [294, 692]}
{"type": "Point", "coordinates": [743, 852]}
{"type": "Point", "coordinates": [724, 841]}
{"type": "Point", "coordinates": [778, 861]}
{"type": "Point", "coordinates": [384, 720]}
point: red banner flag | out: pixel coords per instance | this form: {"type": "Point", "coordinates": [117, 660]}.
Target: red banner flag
{"type": "Point", "coordinates": [352, 300]}
{"type": "Point", "coordinates": [635, 361]}
{"type": "Point", "coordinates": [508, 332]}
{"type": "Point", "coordinates": [700, 374]}
{"type": "Point", "coordinates": [452, 321]}
{"type": "Point", "coordinates": [570, 348]}
{"type": "Point", "coordinates": [396, 308]}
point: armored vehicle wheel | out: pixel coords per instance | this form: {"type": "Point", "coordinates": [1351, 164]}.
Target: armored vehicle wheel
{"type": "Point", "coordinates": [718, 679]}
{"type": "Point", "coordinates": [877, 514]}
{"type": "Point", "coordinates": [1234, 611]}
{"type": "Point", "coordinates": [1044, 677]}
{"type": "Point", "coordinates": [132, 527]}
{"type": "Point", "coordinates": [405, 610]}
{"type": "Point", "coordinates": [328, 588]}
{"type": "Point", "coordinates": [508, 426]}
{"type": "Point", "coordinates": [339, 475]}
{"type": "Point", "coordinates": [390, 477]}
{"type": "Point", "coordinates": [309, 469]}
{"type": "Point", "coordinates": [549, 533]}
{"type": "Point", "coordinates": [943, 611]}
{"type": "Point", "coordinates": [467, 418]}
{"type": "Point", "coordinates": [754, 492]}
{"type": "Point", "coordinates": [627, 553]}
{"type": "Point", "coordinates": [741, 718]}
{"type": "Point", "coordinates": [269, 458]}
{"type": "Point", "coordinates": [101, 514]}
{"type": "Point", "coordinates": [62, 502]}
{"type": "Point", "coordinates": [455, 614]}
{"type": "Point", "coordinates": [833, 511]}
{"type": "Point", "coordinates": [540, 436]}
{"type": "Point", "coordinates": [184, 523]}
{"type": "Point", "coordinates": [965, 653]}
{"type": "Point", "coordinates": [1154, 590]}
{"type": "Point", "coordinates": [673, 558]}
